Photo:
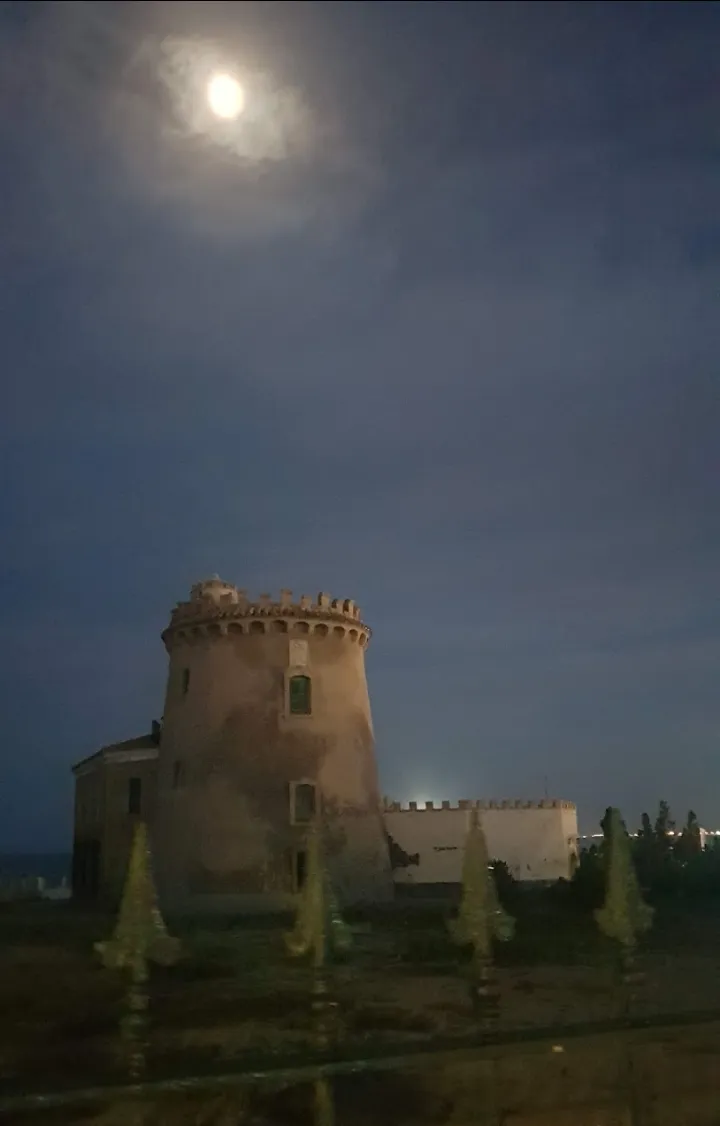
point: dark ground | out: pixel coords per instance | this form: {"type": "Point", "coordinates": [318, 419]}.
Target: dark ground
{"type": "Point", "coordinates": [236, 997]}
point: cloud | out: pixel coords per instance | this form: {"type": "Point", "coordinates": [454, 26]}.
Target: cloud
{"type": "Point", "coordinates": [275, 124]}
{"type": "Point", "coordinates": [443, 340]}
{"type": "Point", "coordinates": [125, 104]}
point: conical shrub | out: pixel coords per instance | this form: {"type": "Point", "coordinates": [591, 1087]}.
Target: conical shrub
{"type": "Point", "coordinates": [624, 915]}
{"type": "Point", "coordinates": [481, 919]}
{"type": "Point", "coordinates": [319, 927]}
{"type": "Point", "coordinates": [140, 932]}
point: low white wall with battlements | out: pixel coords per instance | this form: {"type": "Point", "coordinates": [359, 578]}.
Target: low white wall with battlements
{"type": "Point", "coordinates": [537, 840]}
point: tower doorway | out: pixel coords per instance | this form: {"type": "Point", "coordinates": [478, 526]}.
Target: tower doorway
{"type": "Point", "coordinates": [299, 869]}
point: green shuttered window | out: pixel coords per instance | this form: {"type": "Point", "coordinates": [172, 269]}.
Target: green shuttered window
{"type": "Point", "coordinates": [300, 695]}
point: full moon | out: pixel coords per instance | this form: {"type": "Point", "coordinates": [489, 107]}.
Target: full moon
{"type": "Point", "coordinates": [225, 96]}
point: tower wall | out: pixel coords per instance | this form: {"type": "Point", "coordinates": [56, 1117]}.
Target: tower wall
{"type": "Point", "coordinates": [233, 751]}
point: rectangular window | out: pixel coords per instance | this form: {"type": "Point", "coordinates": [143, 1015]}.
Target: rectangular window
{"type": "Point", "coordinates": [299, 695]}
{"type": "Point", "coordinates": [303, 802]}
{"type": "Point", "coordinates": [185, 681]}
{"type": "Point", "coordinates": [178, 774]}
{"type": "Point", "coordinates": [135, 795]}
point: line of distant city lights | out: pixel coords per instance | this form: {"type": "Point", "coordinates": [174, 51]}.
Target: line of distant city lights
{"type": "Point", "coordinates": [670, 833]}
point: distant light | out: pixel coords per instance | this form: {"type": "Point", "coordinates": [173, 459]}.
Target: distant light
{"type": "Point", "coordinates": [226, 96]}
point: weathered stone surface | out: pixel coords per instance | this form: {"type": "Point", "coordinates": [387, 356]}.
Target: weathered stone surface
{"type": "Point", "coordinates": [231, 751]}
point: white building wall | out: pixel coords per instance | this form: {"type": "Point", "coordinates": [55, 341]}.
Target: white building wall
{"type": "Point", "coordinates": [537, 840]}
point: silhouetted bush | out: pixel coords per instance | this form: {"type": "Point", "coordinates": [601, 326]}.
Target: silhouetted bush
{"type": "Point", "coordinates": [506, 884]}
{"type": "Point", "coordinates": [587, 888]}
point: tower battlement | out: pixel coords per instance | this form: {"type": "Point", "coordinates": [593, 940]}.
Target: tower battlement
{"type": "Point", "coordinates": [266, 719]}
{"type": "Point", "coordinates": [216, 608]}
{"type": "Point", "coordinates": [466, 803]}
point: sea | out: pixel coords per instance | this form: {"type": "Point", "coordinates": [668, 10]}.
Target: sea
{"type": "Point", "coordinates": [52, 866]}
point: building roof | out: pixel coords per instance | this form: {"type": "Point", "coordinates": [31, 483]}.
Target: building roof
{"type": "Point", "coordinates": [146, 743]}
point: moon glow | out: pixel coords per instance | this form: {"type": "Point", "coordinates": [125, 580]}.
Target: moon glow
{"type": "Point", "coordinates": [225, 96]}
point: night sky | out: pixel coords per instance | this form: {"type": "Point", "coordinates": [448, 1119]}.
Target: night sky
{"type": "Point", "coordinates": [434, 326]}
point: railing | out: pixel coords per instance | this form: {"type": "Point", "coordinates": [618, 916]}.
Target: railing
{"type": "Point", "coordinates": [484, 1065]}
{"type": "Point", "coordinates": [419, 1019]}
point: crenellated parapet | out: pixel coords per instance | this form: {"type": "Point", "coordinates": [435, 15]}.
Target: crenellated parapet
{"type": "Point", "coordinates": [466, 803]}
{"type": "Point", "coordinates": [216, 609]}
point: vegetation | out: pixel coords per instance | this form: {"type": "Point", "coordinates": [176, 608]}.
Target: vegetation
{"type": "Point", "coordinates": [670, 864]}
{"type": "Point", "coordinates": [320, 931]}
{"type": "Point", "coordinates": [236, 995]}
{"type": "Point", "coordinates": [481, 919]}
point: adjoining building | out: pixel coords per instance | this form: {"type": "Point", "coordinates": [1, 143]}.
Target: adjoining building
{"type": "Point", "coordinates": [537, 840]}
{"type": "Point", "coordinates": [267, 716]}
{"type": "Point", "coordinates": [113, 788]}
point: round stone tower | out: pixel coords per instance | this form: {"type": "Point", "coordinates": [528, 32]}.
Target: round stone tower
{"type": "Point", "coordinates": [267, 714]}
